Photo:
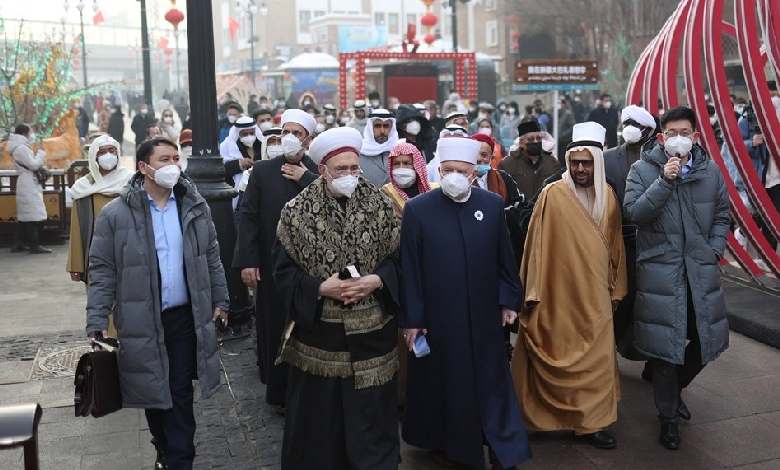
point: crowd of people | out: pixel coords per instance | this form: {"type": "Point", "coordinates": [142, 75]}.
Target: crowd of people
{"type": "Point", "coordinates": [392, 253]}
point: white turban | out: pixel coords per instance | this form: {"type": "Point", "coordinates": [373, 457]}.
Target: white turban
{"type": "Point", "coordinates": [109, 184]}
{"type": "Point", "coordinates": [638, 114]}
{"type": "Point", "coordinates": [300, 117]}
{"type": "Point", "coordinates": [335, 141]}
{"type": "Point", "coordinates": [458, 149]}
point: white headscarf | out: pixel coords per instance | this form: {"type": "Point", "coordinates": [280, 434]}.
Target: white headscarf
{"type": "Point", "coordinates": [110, 184]}
{"type": "Point", "coordinates": [229, 150]}
{"type": "Point", "coordinates": [370, 145]}
{"type": "Point", "coordinates": [594, 199]}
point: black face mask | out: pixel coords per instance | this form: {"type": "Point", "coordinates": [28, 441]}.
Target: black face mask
{"type": "Point", "coordinates": [533, 149]}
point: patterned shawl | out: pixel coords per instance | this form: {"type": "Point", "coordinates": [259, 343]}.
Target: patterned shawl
{"type": "Point", "coordinates": [405, 148]}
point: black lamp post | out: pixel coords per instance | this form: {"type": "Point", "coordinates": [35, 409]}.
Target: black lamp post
{"type": "Point", "coordinates": [250, 9]}
{"type": "Point", "coordinates": [205, 166]}
{"type": "Point", "coordinates": [146, 57]}
{"type": "Point", "coordinates": [80, 7]}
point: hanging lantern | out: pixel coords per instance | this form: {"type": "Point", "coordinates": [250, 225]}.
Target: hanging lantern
{"type": "Point", "coordinates": [174, 17]}
{"type": "Point", "coordinates": [429, 39]}
{"type": "Point", "coordinates": [428, 3]}
{"type": "Point", "coordinates": [429, 20]}
{"type": "Point", "coordinates": [515, 36]}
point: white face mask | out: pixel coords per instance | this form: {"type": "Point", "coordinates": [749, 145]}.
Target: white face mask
{"type": "Point", "coordinates": [144, 111]}
{"type": "Point", "coordinates": [607, 104]}
{"type": "Point", "coordinates": [168, 120]}
{"type": "Point", "coordinates": [264, 126]}
{"type": "Point", "coordinates": [455, 185]}
{"type": "Point", "coordinates": [183, 160]}
{"type": "Point", "coordinates": [486, 131]}
{"type": "Point", "coordinates": [167, 176]}
{"type": "Point", "coordinates": [482, 116]}
{"type": "Point", "coordinates": [113, 111]}
{"type": "Point", "coordinates": [108, 161]}
{"type": "Point", "coordinates": [413, 128]}
{"type": "Point", "coordinates": [330, 118]}
{"type": "Point", "coordinates": [291, 145]}
{"type": "Point", "coordinates": [713, 120]}
{"type": "Point", "coordinates": [404, 177]}
{"type": "Point", "coordinates": [343, 186]}
{"type": "Point", "coordinates": [320, 128]}
{"type": "Point", "coordinates": [232, 118]}
{"type": "Point", "coordinates": [375, 103]}
{"type": "Point", "coordinates": [248, 140]}
{"type": "Point", "coordinates": [632, 134]}
{"type": "Point", "coordinates": [274, 151]}
{"type": "Point", "coordinates": [344, 120]}
{"type": "Point", "coordinates": [186, 151]}
{"type": "Point", "coordinates": [678, 145]}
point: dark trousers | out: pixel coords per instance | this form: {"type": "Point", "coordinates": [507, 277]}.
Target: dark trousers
{"type": "Point", "coordinates": [774, 195]}
{"type": "Point", "coordinates": [173, 430]}
{"type": "Point", "coordinates": [27, 232]}
{"type": "Point", "coordinates": [670, 379]}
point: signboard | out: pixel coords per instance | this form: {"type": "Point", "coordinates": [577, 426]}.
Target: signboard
{"type": "Point", "coordinates": [361, 38]}
{"type": "Point", "coordinates": [537, 74]}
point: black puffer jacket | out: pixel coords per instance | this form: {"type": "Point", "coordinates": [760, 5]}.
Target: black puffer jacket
{"type": "Point", "coordinates": [426, 139]}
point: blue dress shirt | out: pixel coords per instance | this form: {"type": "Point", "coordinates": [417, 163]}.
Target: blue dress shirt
{"type": "Point", "coordinates": [685, 169]}
{"type": "Point", "coordinates": [169, 243]}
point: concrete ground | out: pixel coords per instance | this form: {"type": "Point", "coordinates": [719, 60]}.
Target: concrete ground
{"type": "Point", "coordinates": [734, 402]}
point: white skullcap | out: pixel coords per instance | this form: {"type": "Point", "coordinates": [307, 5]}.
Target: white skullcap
{"type": "Point", "coordinates": [638, 114]}
{"type": "Point", "coordinates": [335, 141]}
{"type": "Point", "coordinates": [458, 149]}
{"type": "Point", "coordinates": [587, 134]}
{"type": "Point", "coordinates": [300, 117]}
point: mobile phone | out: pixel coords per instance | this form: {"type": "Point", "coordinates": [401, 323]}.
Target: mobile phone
{"type": "Point", "coordinates": [420, 348]}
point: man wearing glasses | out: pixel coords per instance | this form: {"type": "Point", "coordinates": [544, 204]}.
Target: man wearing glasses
{"type": "Point", "coordinates": [564, 365]}
{"type": "Point", "coordinates": [676, 196]}
{"type": "Point", "coordinates": [528, 164]}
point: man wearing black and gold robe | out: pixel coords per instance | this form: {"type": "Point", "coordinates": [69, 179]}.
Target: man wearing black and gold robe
{"type": "Point", "coordinates": [337, 276]}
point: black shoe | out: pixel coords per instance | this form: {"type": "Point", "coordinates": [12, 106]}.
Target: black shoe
{"type": "Point", "coordinates": [683, 410]}
{"type": "Point", "coordinates": [19, 247]}
{"type": "Point", "coordinates": [599, 440]}
{"type": "Point", "coordinates": [647, 372]}
{"type": "Point", "coordinates": [670, 436]}
{"type": "Point", "coordinates": [38, 249]}
{"type": "Point", "coordinates": [159, 463]}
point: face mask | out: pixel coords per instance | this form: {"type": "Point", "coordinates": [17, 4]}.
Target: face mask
{"type": "Point", "coordinates": [713, 120]}
{"type": "Point", "coordinates": [482, 169]}
{"type": "Point", "coordinates": [248, 140]}
{"type": "Point", "coordinates": [144, 111]}
{"type": "Point", "coordinates": [186, 151]}
{"type": "Point", "coordinates": [632, 134]}
{"type": "Point", "coordinates": [607, 104]}
{"type": "Point", "coordinates": [329, 119]}
{"type": "Point", "coordinates": [108, 161]}
{"type": "Point", "coordinates": [548, 146]}
{"type": "Point", "coordinates": [343, 186]}
{"type": "Point", "coordinates": [413, 128]}
{"type": "Point", "coordinates": [660, 112]}
{"type": "Point", "coordinates": [306, 102]}
{"type": "Point", "coordinates": [31, 138]}
{"type": "Point", "coordinates": [533, 149]}
{"type": "Point", "coordinates": [183, 159]}
{"type": "Point", "coordinates": [474, 109]}
{"type": "Point", "coordinates": [167, 176]}
{"type": "Point", "coordinates": [576, 99]}
{"type": "Point", "coordinates": [113, 111]}
{"type": "Point", "coordinates": [404, 177]}
{"type": "Point", "coordinates": [455, 185]}
{"type": "Point", "coordinates": [168, 120]}
{"type": "Point", "coordinates": [482, 116]}
{"type": "Point", "coordinates": [486, 131]}
{"type": "Point", "coordinates": [739, 109]}
{"type": "Point", "coordinates": [274, 151]}
{"type": "Point", "coordinates": [510, 111]}
{"type": "Point", "coordinates": [678, 145]}
{"type": "Point", "coordinates": [232, 118]}
{"type": "Point", "coordinates": [502, 108]}
{"type": "Point", "coordinates": [344, 120]}
{"type": "Point", "coordinates": [320, 128]}
{"type": "Point", "coordinates": [264, 126]}
{"type": "Point", "coordinates": [291, 145]}
{"type": "Point", "coordinates": [375, 103]}
{"type": "Point", "coordinates": [776, 102]}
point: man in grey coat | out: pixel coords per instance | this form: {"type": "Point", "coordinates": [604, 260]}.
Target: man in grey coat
{"type": "Point", "coordinates": [676, 196]}
{"type": "Point", "coordinates": [154, 261]}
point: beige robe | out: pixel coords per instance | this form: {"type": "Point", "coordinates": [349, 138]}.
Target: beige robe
{"type": "Point", "coordinates": [564, 365]}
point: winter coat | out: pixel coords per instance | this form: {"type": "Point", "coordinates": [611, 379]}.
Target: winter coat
{"type": "Point", "coordinates": [124, 278]}
{"type": "Point", "coordinates": [682, 229]}
{"type": "Point", "coordinates": [29, 193]}
{"type": "Point", "coordinates": [116, 126]}
{"type": "Point", "coordinates": [425, 141]}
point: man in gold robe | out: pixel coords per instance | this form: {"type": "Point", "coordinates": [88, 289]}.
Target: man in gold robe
{"type": "Point", "coordinates": [564, 365]}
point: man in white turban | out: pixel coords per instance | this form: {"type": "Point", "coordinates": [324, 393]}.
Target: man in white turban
{"type": "Point", "coordinates": [272, 184]}
{"type": "Point", "coordinates": [337, 275]}
{"type": "Point", "coordinates": [379, 136]}
{"type": "Point", "coordinates": [564, 365]}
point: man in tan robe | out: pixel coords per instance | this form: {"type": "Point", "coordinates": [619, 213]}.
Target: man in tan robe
{"type": "Point", "coordinates": [564, 365]}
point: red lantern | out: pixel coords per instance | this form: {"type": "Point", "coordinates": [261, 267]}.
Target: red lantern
{"type": "Point", "coordinates": [174, 17]}
{"type": "Point", "coordinates": [428, 3]}
{"type": "Point", "coordinates": [514, 19]}
{"type": "Point", "coordinates": [515, 36]}
{"type": "Point", "coordinates": [429, 39]}
{"type": "Point", "coordinates": [428, 20]}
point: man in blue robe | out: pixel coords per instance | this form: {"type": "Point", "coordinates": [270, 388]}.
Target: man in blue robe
{"type": "Point", "coordinates": [460, 286]}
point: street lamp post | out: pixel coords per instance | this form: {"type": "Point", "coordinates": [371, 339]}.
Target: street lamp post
{"type": "Point", "coordinates": [250, 9]}
{"type": "Point", "coordinates": [147, 58]}
{"type": "Point", "coordinates": [80, 7]}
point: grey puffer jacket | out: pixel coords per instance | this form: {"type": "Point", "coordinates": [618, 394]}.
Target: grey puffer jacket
{"type": "Point", "coordinates": [682, 232]}
{"type": "Point", "coordinates": [123, 278]}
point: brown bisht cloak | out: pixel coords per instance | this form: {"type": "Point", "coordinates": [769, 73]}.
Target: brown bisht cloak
{"type": "Point", "coordinates": [564, 366]}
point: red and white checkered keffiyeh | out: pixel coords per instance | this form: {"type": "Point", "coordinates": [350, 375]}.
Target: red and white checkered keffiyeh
{"type": "Point", "coordinates": [418, 162]}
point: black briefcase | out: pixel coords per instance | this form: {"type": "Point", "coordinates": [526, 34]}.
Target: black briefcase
{"type": "Point", "coordinates": [97, 384]}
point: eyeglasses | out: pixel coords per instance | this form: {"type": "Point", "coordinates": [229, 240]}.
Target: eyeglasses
{"type": "Point", "coordinates": [585, 163]}
{"type": "Point", "coordinates": [529, 140]}
{"type": "Point", "coordinates": [354, 172]}
{"type": "Point", "coordinates": [684, 133]}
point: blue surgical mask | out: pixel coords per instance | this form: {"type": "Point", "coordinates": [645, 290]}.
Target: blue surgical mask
{"type": "Point", "coordinates": [483, 169]}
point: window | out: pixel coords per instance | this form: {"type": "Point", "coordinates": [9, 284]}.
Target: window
{"type": "Point", "coordinates": [303, 21]}
{"type": "Point", "coordinates": [392, 23]}
{"type": "Point", "coordinates": [379, 19]}
{"type": "Point", "coordinates": [319, 13]}
{"type": "Point", "coordinates": [490, 5]}
{"type": "Point", "coordinates": [491, 33]}
{"type": "Point", "coordinates": [411, 18]}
